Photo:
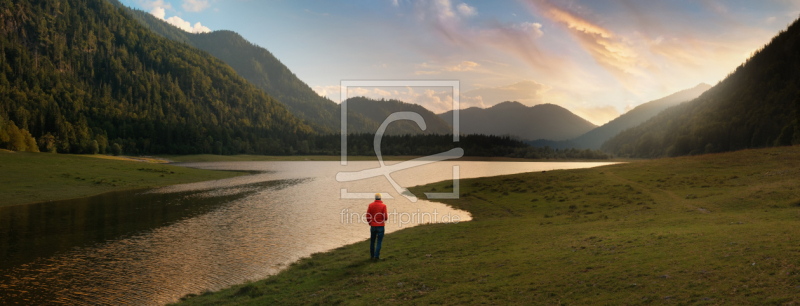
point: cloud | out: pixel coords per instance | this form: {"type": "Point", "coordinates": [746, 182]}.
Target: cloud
{"type": "Point", "coordinates": [195, 5]}
{"type": "Point", "coordinates": [517, 40]}
{"type": "Point", "coordinates": [160, 13]}
{"type": "Point", "coordinates": [437, 101]}
{"type": "Point", "coordinates": [466, 10]}
{"type": "Point", "coordinates": [598, 115]}
{"type": "Point", "coordinates": [187, 26]}
{"type": "Point", "coordinates": [463, 66]}
{"type": "Point", "coordinates": [609, 50]}
{"type": "Point", "coordinates": [149, 5]}
{"type": "Point", "coordinates": [535, 29]}
{"type": "Point", "coordinates": [395, 3]}
{"type": "Point", "coordinates": [330, 91]}
{"type": "Point", "coordinates": [628, 107]}
{"type": "Point", "coordinates": [428, 68]}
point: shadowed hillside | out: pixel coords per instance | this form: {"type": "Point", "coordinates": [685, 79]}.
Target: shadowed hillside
{"type": "Point", "coordinates": [543, 121]}
{"type": "Point", "coordinates": [379, 110]}
{"type": "Point", "coordinates": [755, 106]}
{"type": "Point", "coordinates": [596, 137]}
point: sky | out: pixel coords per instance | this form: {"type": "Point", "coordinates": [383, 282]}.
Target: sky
{"type": "Point", "coordinates": [595, 58]}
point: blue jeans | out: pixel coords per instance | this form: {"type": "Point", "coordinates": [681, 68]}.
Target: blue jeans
{"type": "Point", "coordinates": [375, 232]}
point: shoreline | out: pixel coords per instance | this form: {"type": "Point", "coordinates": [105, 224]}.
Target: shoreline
{"type": "Point", "coordinates": [244, 157]}
{"type": "Point", "coordinates": [31, 178]}
{"type": "Point", "coordinates": [175, 161]}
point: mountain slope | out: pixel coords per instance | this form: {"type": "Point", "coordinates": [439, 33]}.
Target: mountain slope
{"type": "Point", "coordinates": [379, 110]}
{"type": "Point", "coordinates": [596, 137]}
{"type": "Point", "coordinates": [755, 106]}
{"type": "Point", "coordinates": [543, 121]}
{"type": "Point", "coordinates": [85, 74]}
{"type": "Point", "coordinates": [262, 69]}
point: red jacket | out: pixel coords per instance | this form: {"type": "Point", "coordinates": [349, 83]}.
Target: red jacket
{"type": "Point", "coordinates": [376, 213]}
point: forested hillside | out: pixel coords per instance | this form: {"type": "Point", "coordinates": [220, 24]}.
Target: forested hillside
{"type": "Point", "coordinates": [264, 70]}
{"type": "Point", "coordinates": [755, 106]}
{"type": "Point", "coordinates": [596, 137]}
{"type": "Point", "coordinates": [543, 121]}
{"type": "Point", "coordinates": [86, 75]}
{"type": "Point", "coordinates": [379, 110]}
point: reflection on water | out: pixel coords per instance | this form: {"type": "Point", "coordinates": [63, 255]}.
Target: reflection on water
{"type": "Point", "coordinates": [151, 248]}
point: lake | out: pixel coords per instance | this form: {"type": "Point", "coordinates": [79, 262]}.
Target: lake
{"type": "Point", "coordinates": [151, 247]}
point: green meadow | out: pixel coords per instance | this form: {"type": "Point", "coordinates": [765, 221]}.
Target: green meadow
{"type": "Point", "coordinates": [718, 229]}
{"type": "Point", "coordinates": [37, 177]}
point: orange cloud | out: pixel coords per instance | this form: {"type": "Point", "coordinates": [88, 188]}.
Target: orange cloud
{"type": "Point", "coordinates": [516, 39]}
{"type": "Point", "coordinates": [607, 49]}
{"type": "Point", "coordinates": [463, 66]}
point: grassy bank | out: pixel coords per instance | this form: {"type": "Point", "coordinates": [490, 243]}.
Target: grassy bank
{"type": "Point", "coordinates": [245, 157]}
{"type": "Point", "coordinates": [37, 177]}
{"type": "Point", "coordinates": [704, 230]}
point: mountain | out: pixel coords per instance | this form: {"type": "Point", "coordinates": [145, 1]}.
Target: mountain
{"type": "Point", "coordinates": [82, 75]}
{"type": "Point", "coordinates": [264, 70]}
{"type": "Point", "coordinates": [596, 137]}
{"type": "Point", "coordinates": [755, 106]}
{"type": "Point", "coordinates": [543, 121]}
{"type": "Point", "coordinates": [379, 110]}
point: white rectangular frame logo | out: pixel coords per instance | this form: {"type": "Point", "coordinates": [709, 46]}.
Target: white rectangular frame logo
{"type": "Point", "coordinates": [454, 153]}
{"type": "Point", "coordinates": [344, 84]}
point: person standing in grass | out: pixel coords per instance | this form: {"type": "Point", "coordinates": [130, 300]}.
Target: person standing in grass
{"type": "Point", "coordinates": [376, 217]}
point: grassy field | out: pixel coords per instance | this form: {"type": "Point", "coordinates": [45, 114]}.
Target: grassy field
{"type": "Point", "coordinates": [244, 157]}
{"type": "Point", "coordinates": [37, 177]}
{"type": "Point", "coordinates": [705, 230]}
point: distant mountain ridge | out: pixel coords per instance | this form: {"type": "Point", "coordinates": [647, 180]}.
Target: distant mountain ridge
{"type": "Point", "coordinates": [755, 106]}
{"type": "Point", "coordinates": [379, 110]}
{"type": "Point", "coordinates": [543, 121]}
{"type": "Point", "coordinates": [595, 138]}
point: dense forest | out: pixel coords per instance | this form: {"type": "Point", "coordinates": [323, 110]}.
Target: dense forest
{"type": "Point", "coordinates": [428, 144]}
{"type": "Point", "coordinates": [261, 68]}
{"type": "Point", "coordinates": [16, 139]}
{"type": "Point", "coordinates": [82, 71]}
{"type": "Point", "coordinates": [755, 106]}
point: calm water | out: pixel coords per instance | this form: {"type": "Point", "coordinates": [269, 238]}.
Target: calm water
{"type": "Point", "coordinates": [153, 247]}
